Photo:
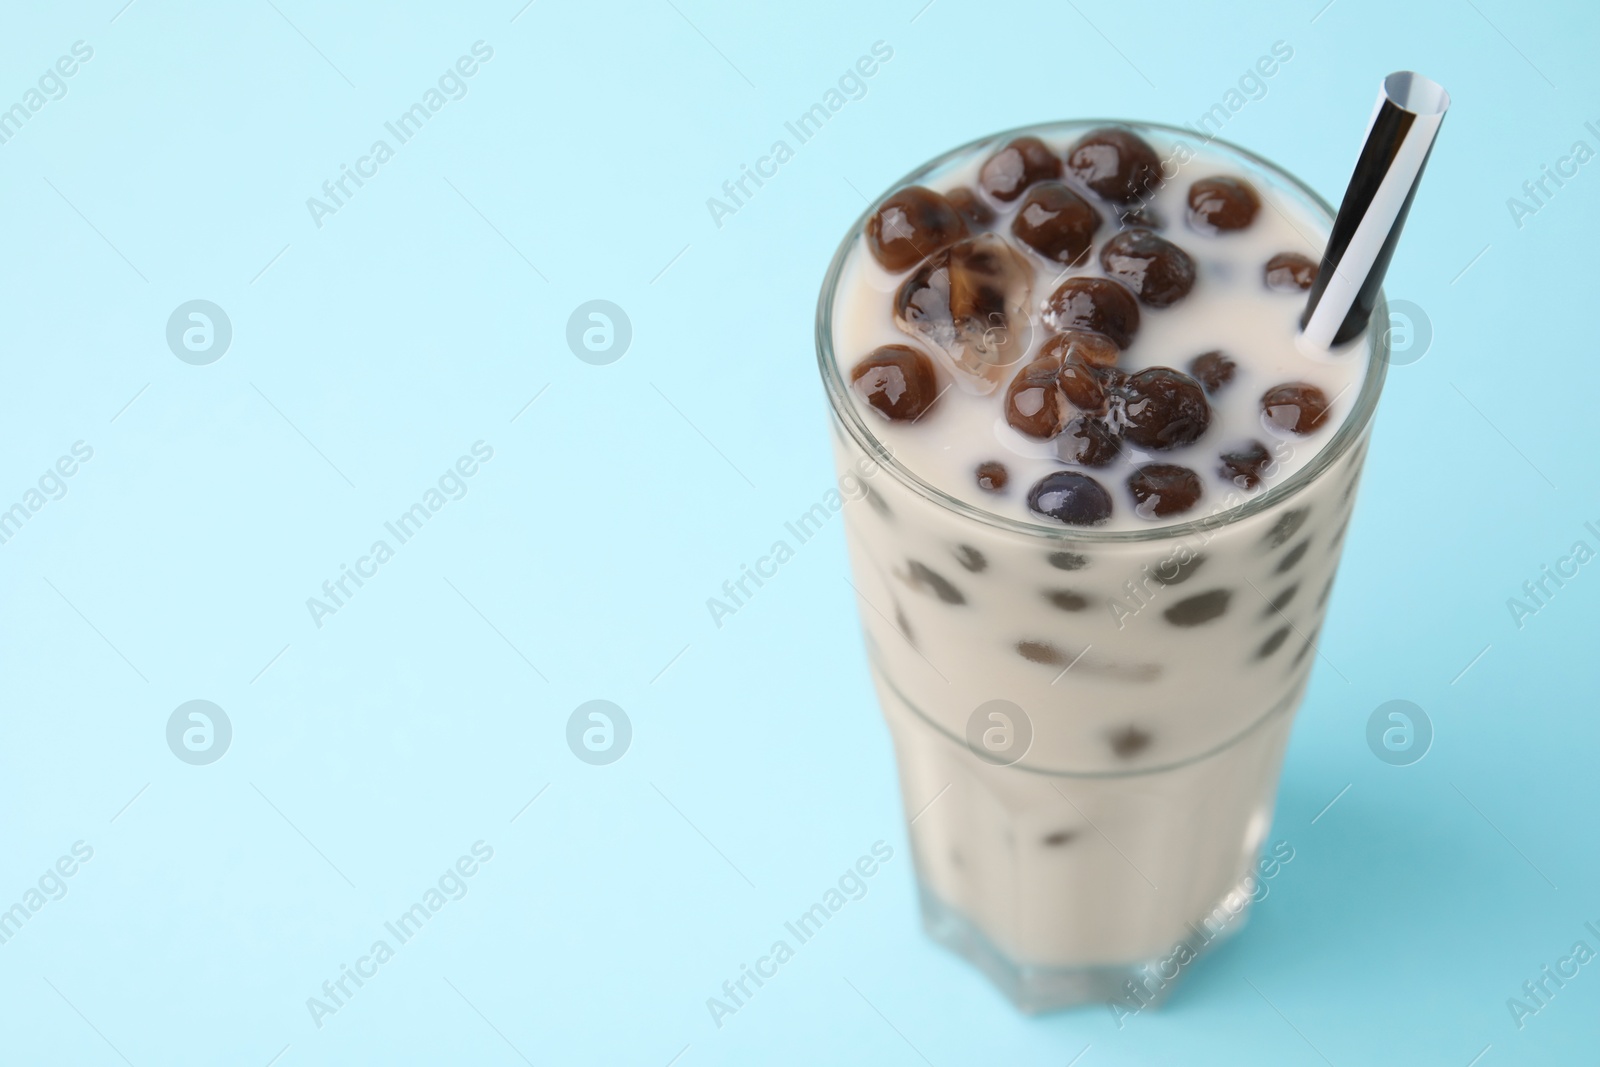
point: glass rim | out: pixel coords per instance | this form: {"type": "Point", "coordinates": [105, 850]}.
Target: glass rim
{"type": "Point", "coordinates": [846, 413]}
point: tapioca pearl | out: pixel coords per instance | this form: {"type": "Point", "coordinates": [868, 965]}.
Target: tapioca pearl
{"type": "Point", "coordinates": [1116, 163]}
{"type": "Point", "coordinates": [1273, 642]}
{"type": "Point", "coordinates": [1244, 466]}
{"type": "Point", "coordinates": [971, 558]}
{"type": "Point", "coordinates": [1174, 571]}
{"type": "Point", "coordinates": [1295, 555]}
{"type": "Point", "coordinates": [1200, 609]}
{"type": "Point", "coordinates": [925, 579]}
{"type": "Point", "coordinates": [1164, 409]}
{"type": "Point", "coordinates": [1066, 599]}
{"type": "Point", "coordinates": [1212, 370]}
{"type": "Point", "coordinates": [1287, 526]}
{"type": "Point", "coordinates": [1071, 498]}
{"type": "Point", "coordinates": [1021, 163]}
{"type": "Point", "coordinates": [1222, 204]}
{"type": "Point", "coordinates": [1290, 272]}
{"type": "Point", "coordinates": [1322, 598]}
{"type": "Point", "coordinates": [992, 476]}
{"type": "Point", "coordinates": [1057, 223]}
{"type": "Point", "coordinates": [1067, 561]}
{"type": "Point", "coordinates": [897, 381]}
{"type": "Point", "coordinates": [1158, 271]}
{"type": "Point", "coordinates": [1042, 652]}
{"type": "Point", "coordinates": [1059, 838]}
{"type": "Point", "coordinates": [1128, 741]}
{"type": "Point", "coordinates": [1281, 601]}
{"type": "Point", "coordinates": [1294, 407]}
{"type": "Point", "coordinates": [1034, 405]}
{"type": "Point", "coordinates": [1098, 305]}
{"type": "Point", "coordinates": [910, 225]}
{"type": "Point", "coordinates": [1162, 489]}
{"type": "Point", "coordinates": [1089, 442]}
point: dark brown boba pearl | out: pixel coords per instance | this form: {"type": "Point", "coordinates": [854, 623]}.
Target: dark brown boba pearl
{"type": "Point", "coordinates": [1034, 405]}
{"type": "Point", "coordinates": [897, 380]}
{"type": "Point", "coordinates": [1099, 305]}
{"type": "Point", "coordinates": [1244, 466]}
{"type": "Point", "coordinates": [1067, 561]}
{"type": "Point", "coordinates": [1165, 409]}
{"type": "Point", "coordinates": [928, 580]}
{"type": "Point", "coordinates": [1222, 203]}
{"type": "Point", "coordinates": [992, 476]}
{"type": "Point", "coordinates": [1281, 601]}
{"type": "Point", "coordinates": [1066, 600]}
{"type": "Point", "coordinates": [1070, 497]}
{"type": "Point", "coordinates": [1273, 642]}
{"type": "Point", "coordinates": [1172, 571]}
{"type": "Point", "coordinates": [1293, 556]}
{"type": "Point", "coordinates": [1056, 222]}
{"type": "Point", "coordinates": [1018, 165]}
{"type": "Point", "coordinates": [1322, 597]}
{"type": "Point", "coordinates": [1212, 370]}
{"type": "Point", "coordinates": [1095, 349]}
{"type": "Point", "coordinates": [971, 207]}
{"type": "Point", "coordinates": [1116, 163]}
{"type": "Point", "coordinates": [1059, 838]}
{"type": "Point", "coordinates": [1287, 526]}
{"type": "Point", "coordinates": [1295, 407]}
{"type": "Point", "coordinates": [1162, 489]}
{"type": "Point", "coordinates": [911, 225]}
{"type": "Point", "coordinates": [1042, 652]}
{"type": "Point", "coordinates": [1088, 442]}
{"type": "Point", "coordinates": [1199, 609]}
{"type": "Point", "coordinates": [1157, 270]}
{"type": "Point", "coordinates": [1081, 386]}
{"type": "Point", "coordinates": [1290, 272]}
{"type": "Point", "coordinates": [971, 558]}
{"type": "Point", "coordinates": [1129, 741]}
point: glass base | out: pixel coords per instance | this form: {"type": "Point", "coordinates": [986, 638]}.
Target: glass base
{"type": "Point", "coordinates": [1125, 988]}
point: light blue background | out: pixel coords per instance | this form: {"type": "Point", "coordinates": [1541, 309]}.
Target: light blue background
{"type": "Point", "coordinates": [374, 351]}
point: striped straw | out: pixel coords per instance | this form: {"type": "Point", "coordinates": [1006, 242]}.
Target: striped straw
{"type": "Point", "coordinates": [1399, 139]}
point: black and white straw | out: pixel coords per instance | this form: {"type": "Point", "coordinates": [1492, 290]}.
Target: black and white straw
{"type": "Point", "coordinates": [1399, 139]}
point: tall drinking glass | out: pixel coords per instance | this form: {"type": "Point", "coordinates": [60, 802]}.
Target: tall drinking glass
{"type": "Point", "coordinates": [1088, 791]}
